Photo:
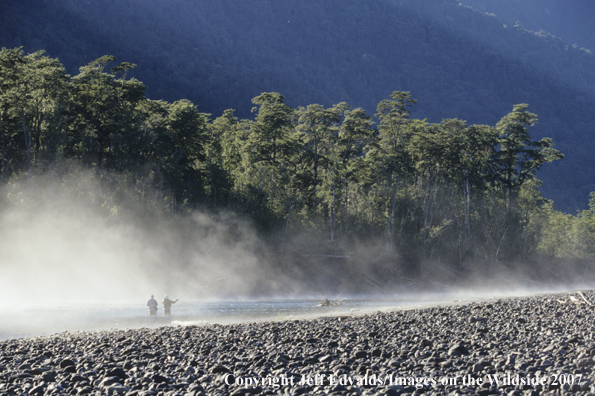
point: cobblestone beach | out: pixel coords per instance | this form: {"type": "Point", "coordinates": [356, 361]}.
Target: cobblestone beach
{"type": "Point", "coordinates": [517, 346]}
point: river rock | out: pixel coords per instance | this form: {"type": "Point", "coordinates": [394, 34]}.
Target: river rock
{"type": "Point", "coordinates": [477, 340]}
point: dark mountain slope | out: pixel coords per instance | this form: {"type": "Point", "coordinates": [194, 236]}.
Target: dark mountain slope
{"type": "Point", "coordinates": [571, 20]}
{"type": "Point", "coordinates": [456, 61]}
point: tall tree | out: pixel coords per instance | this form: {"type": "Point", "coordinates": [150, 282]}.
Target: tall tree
{"type": "Point", "coordinates": [181, 150]}
{"type": "Point", "coordinates": [105, 114]}
{"type": "Point", "coordinates": [11, 101]}
{"type": "Point", "coordinates": [33, 90]}
{"type": "Point", "coordinates": [393, 115]}
{"type": "Point", "coordinates": [315, 126]}
{"type": "Point", "coordinates": [514, 164]}
{"type": "Point", "coordinates": [519, 158]}
{"type": "Point", "coordinates": [271, 128]}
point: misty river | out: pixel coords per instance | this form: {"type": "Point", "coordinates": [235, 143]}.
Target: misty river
{"type": "Point", "coordinates": [44, 320]}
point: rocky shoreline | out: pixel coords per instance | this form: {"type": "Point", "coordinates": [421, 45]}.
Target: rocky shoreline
{"type": "Point", "coordinates": [518, 346]}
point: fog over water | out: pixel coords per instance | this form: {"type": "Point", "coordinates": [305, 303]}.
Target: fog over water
{"type": "Point", "coordinates": [68, 263]}
{"type": "Point", "coordinates": [31, 320]}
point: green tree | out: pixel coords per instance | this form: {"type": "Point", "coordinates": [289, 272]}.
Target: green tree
{"type": "Point", "coordinates": [33, 90]}
{"type": "Point", "coordinates": [394, 134]}
{"type": "Point", "coordinates": [519, 158]}
{"type": "Point", "coordinates": [271, 129]}
{"type": "Point", "coordinates": [12, 102]}
{"type": "Point", "coordinates": [105, 115]}
{"type": "Point", "coordinates": [585, 231]}
{"type": "Point", "coordinates": [267, 154]}
{"type": "Point", "coordinates": [181, 150]}
{"type": "Point", "coordinates": [515, 164]}
{"type": "Point", "coordinates": [315, 126]}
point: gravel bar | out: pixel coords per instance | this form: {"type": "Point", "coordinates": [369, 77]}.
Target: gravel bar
{"type": "Point", "coordinates": [517, 346]}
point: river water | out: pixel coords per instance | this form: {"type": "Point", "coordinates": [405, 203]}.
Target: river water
{"type": "Point", "coordinates": [43, 320]}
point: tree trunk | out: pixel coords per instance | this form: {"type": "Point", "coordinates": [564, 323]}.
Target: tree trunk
{"type": "Point", "coordinates": [4, 162]}
{"type": "Point", "coordinates": [284, 239]}
{"type": "Point", "coordinates": [427, 200]}
{"type": "Point", "coordinates": [390, 221]}
{"type": "Point", "coordinates": [332, 216]}
{"type": "Point", "coordinates": [28, 146]}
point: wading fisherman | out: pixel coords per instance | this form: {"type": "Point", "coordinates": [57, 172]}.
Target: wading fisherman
{"type": "Point", "coordinates": [167, 303]}
{"type": "Point", "coordinates": [152, 304]}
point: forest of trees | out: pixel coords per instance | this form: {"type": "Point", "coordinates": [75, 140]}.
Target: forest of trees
{"type": "Point", "coordinates": [312, 179]}
{"type": "Point", "coordinates": [455, 60]}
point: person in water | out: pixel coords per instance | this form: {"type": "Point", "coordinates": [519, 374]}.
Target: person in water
{"type": "Point", "coordinates": [167, 303]}
{"type": "Point", "coordinates": [152, 304]}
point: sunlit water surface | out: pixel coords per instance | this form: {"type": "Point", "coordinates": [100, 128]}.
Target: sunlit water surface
{"type": "Point", "coordinates": [41, 320]}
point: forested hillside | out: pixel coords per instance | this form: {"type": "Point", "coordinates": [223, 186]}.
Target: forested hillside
{"type": "Point", "coordinates": [456, 61]}
{"type": "Point", "coordinates": [425, 131]}
{"type": "Point", "coordinates": [312, 180]}
{"type": "Point", "coordinates": [571, 20]}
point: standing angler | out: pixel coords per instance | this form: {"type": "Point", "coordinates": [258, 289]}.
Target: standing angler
{"type": "Point", "coordinates": [152, 304]}
{"type": "Point", "coordinates": [167, 303]}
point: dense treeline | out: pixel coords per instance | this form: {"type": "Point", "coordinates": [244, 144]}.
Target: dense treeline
{"type": "Point", "coordinates": [312, 179]}
{"type": "Point", "coordinates": [220, 54]}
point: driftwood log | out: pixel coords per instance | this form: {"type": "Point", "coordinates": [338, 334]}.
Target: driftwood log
{"type": "Point", "coordinates": [330, 303]}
